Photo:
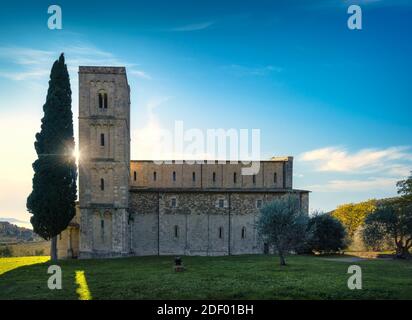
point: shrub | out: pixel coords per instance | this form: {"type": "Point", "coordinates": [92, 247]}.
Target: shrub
{"type": "Point", "coordinates": [6, 251]}
{"type": "Point", "coordinates": [327, 234]}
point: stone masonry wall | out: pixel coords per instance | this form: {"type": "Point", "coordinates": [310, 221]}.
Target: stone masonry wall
{"type": "Point", "coordinates": [196, 223]}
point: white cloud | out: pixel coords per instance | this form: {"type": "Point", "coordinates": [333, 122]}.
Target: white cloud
{"type": "Point", "coordinates": [337, 159]}
{"type": "Point", "coordinates": [33, 64]}
{"type": "Point", "coordinates": [241, 71]}
{"type": "Point", "coordinates": [193, 27]}
{"type": "Point", "coordinates": [354, 185]}
{"type": "Point", "coordinates": [139, 74]}
{"type": "Point", "coordinates": [366, 169]}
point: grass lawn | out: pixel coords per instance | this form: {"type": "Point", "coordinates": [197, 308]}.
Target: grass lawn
{"type": "Point", "coordinates": [230, 277]}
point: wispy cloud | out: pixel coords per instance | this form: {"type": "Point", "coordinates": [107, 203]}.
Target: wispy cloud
{"type": "Point", "coordinates": [139, 74]}
{"type": "Point", "coordinates": [193, 27]}
{"type": "Point", "coordinates": [363, 170]}
{"type": "Point", "coordinates": [32, 64]}
{"type": "Point", "coordinates": [241, 71]}
{"type": "Point", "coordinates": [338, 159]}
{"type": "Point", "coordinates": [355, 185]}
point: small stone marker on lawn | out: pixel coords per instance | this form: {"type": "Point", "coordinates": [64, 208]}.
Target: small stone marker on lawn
{"type": "Point", "coordinates": [178, 265]}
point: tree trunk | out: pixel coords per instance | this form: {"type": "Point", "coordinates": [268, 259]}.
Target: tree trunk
{"type": "Point", "coordinates": [53, 249]}
{"type": "Point", "coordinates": [282, 258]}
{"type": "Point", "coordinates": [402, 252]}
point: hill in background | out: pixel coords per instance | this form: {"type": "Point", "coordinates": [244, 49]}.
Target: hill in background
{"type": "Point", "coordinates": [11, 233]}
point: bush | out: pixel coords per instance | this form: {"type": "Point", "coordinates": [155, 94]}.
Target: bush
{"type": "Point", "coordinates": [6, 251]}
{"type": "Point", "coordinates": [327, 234]}
{"type": "Point", "coordinates": [39, 252]}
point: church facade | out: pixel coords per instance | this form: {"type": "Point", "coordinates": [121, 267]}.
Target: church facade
{"type": "Point", "coordinates": [145, 208]}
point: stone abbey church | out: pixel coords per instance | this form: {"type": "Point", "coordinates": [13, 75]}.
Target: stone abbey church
{"type": "Point", "coordinates": [129, 207]}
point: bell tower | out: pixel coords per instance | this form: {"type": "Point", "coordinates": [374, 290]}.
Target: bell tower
{"type": "Point", "coordinates": [104, 164]}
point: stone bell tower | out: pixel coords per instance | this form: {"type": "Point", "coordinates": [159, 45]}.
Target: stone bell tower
{"type": "Point", "coordinates": [104, 164]}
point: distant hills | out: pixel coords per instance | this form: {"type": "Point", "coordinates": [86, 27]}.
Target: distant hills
{"type": "Point", "coordinates": [12, 233]}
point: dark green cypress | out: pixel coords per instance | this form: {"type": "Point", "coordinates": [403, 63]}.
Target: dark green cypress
{"type": "Point", "coordinates": [52, 200]}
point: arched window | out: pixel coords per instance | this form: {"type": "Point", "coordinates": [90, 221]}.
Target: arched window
{"type": "Point", "coordinates": [105, 100]}
{"type": "Point", "coordinates": [174, 175]}
{"type": "Point", "coordinates": [193, 176]}
{"type": "Point", "coordinates": [102, 100]}
{"type": "Point", "coordinates": [102, 139]}
{"type": "Point", "coordinates": [154, 176]}
{"type": "Point", "coordinates": [214, 176]}
{"type": "Point", "coordinates": [243, 232]}
{"type": "Point", "coordinates": [220, 232]}
{"type": "Point", "coordinates": [221, 203]}
{"type": "Point", "coordinates": [173, 202]}
{"type": "Point", "coordinates": [275, 178]}
{"type": "Point", "coordinates": [254, 179]}
{"type": "Point", "coordinates": [176, 231]}
{"type": "Point", "coordinates": [234, 177]}
{"type": "Point", "coordinates": [102, 184]}
{"type": "Point", "coordinates": [134, 175]}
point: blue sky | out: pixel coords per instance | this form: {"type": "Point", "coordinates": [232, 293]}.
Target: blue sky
{"type": "Point", "coordinates": [337, 100]}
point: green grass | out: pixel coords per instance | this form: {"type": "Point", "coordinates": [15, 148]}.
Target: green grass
{"type": "Point", "coordinates": [233, 277]}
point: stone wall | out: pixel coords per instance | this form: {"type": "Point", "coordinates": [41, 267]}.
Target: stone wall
{"type": "Point", "coordinates": [273, 174]}
{"type": "Point", "coordinates": [196, 223]}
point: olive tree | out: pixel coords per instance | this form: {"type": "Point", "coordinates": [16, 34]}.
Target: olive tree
{"type": "Point", "coordinates": [283, 225]}
{"type": "Point", "coordinates": [393, 219]}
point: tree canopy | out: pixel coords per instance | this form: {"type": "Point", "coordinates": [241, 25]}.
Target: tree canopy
{"type": "Point", "coordinates": [353, 215]}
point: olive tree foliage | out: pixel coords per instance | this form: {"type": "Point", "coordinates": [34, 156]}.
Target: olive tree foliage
{"type": "Point", "coordinates": [283, 225]}
{"type": "Point", "coordinates": [393, 219]}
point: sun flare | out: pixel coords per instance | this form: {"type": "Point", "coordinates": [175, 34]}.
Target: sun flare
{"type": "Point", "coordinates": [76, 155]}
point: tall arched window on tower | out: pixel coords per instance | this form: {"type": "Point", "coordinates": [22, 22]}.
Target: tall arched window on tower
{"type": "Point", "coordinates": [234, 177]}
{"type": "Point", "coordinates": [102, 139]}
{"type": "Point", "coordinates": [100, 100]}
{"type": "Point", "coordinates": [176, 231]}
{"type": "Point", "coordinates": [214, 177]}
{"type": "Point", "coordinates": [275, 178]}
{"type": "Point", "coordinates": [193, 176]}
{"type": "Point", "coordinates": [174, 176]}
{"type": "Point", "coordinates": [102, 184]}
{"type": "Point", "coordinates": [134, 175]}
{"type": "Point", "coordinates": [103, 100]}
{"type": "Point", "coordinates": [154, 176]}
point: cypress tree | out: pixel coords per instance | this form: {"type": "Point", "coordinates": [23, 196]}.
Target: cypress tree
{"type": "Point", "coordinates": [52, 200]}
